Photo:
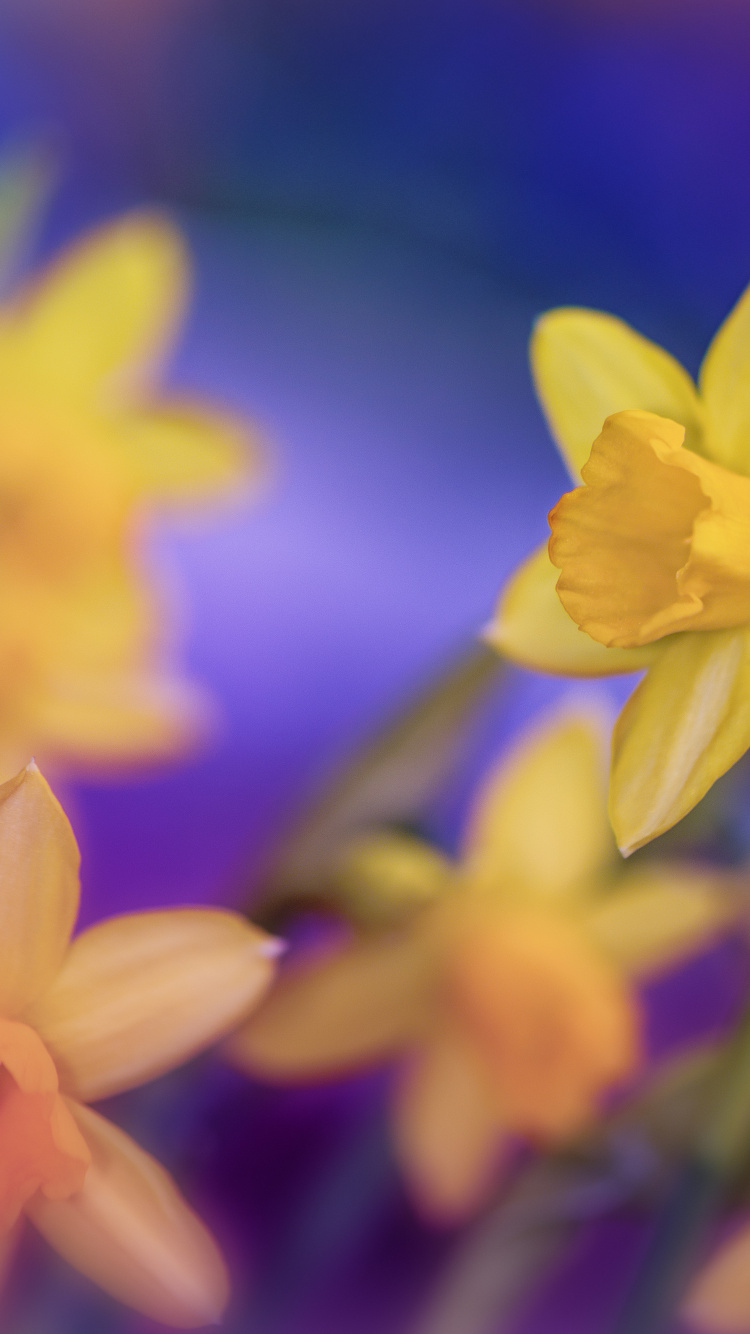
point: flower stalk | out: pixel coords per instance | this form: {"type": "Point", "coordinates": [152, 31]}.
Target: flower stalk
{"type": "Point", "coordinates": [697, 1195]}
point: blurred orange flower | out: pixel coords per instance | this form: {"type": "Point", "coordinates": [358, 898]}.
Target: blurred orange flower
{"type": "Point", "coordinates": [86, 451]}
{"type": "Point", "coordinates": [508, 994]}
{"type": "Point", "coordinates": [127, 1000]}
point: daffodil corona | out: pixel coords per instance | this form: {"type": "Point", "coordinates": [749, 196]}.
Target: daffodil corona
{"type": "Point", "coordinates": [125, 1001]}
{"type": "Point", "coordinates": [506, 991]}
{"type": "Point", "coordinates": [87, 450]}
{"type": "Point", "coordinates": [649, 561]}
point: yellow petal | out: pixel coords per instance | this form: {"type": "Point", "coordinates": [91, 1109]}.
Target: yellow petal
{"type": "Point", "coordinates": [180, 451]}
{"type": "Point", "coordinates": [725, 387]}
{"type": "Point", "coordinates": [660, 915]}
{"type": "Point", "coordinates": [686, 723]}
{"type": "Point", "coordinates": [449, 1137]}
{"type": "Point", "coordinates": [719, 1299]}
{"type": "Point", "coordinates": [138, 994]}
{"type": "Point", "coordinates": [532, 627]}
{"type": "Point", "coordinates": [384, 876]}
{"type": "Point", "coordinates": [656, 541]}
{"type": "Point", "coordinates": [109, 305]}
{"type": "Point", "coordinates": [94, 722]}
{"type": "Point", "coordinates": [343, 1010]}
{"type": "Point", "coordinates": [39, 897]}
{"type": "Point", "coordinates": [131, 1232]}
{"type": "Point", "coordinates": [588, 365]}
{"type": "Point", "coordinates": [540, 823]}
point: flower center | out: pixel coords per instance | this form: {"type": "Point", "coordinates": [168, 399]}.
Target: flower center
{"type": "Point", "coordinates": [41, 1147]}
{"type": "Point", "coordinates": [554, 1023]}
{"type": "Point", "coordinates": [657, 540]}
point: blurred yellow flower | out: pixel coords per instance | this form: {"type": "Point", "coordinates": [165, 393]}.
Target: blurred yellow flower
{"type": "Point", "coordinates": [507, 991]}
{"type": "Point", "coordinates": [125, 1001]}
{"type": "Point", "coordinates": [653, 554]}
{"type": "Point", "coordinates": [86, 451]}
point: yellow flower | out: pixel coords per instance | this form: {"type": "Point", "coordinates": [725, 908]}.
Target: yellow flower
{"type": "Point", "coordinates": [649, 557]}
{"type": "Point", "coordinates": [507, 993]}
{"type": "Point", "coordinates": [87, 451]}
{"type": "Point", "coordinates": [125, 1001]}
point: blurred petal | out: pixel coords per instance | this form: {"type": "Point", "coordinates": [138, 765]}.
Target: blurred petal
{"type": "Point", "coordinates": [449, 1138]}
{"type": "Point", "coordinates": [686, 723]}
{"type": "Point", "coordinates": [540, 822]}
{"type": "Point", "coordinates": [588, 365]}
{"type": "Point", "coordinates": [353, 1006]}
{"type": "Point", "coordinates": [131, 1232]}
{"type": "Point", "coordinates": [381, 877]}
{"type": "Point", "coordinates": [99, 721]}
{"type": "Point", "coordinates": [660, 915]}
{"type": "Point", "coordinates": [183, 452]}
{"type": "Point", "coordinates": [532, 627]}
{"type": "Point", "coordinates": [39, 899]}
{"type": "Point", "coordinates": [725, 386]}
{"type": "Point", "coordinates": [138, 994]}
{"type": "Point", "coordinates": [109, 304]}
{"type": "Point", "coordinates": [719, 1299]}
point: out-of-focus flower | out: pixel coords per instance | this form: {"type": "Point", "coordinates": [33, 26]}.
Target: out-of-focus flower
{"type": "Point", "coordinates": [86, 450]}
{"type": "Point", "coordinates": [125, 1001]}
{"type": "Point", "coordinates": [507, 988]}
{"type": "Point", "coordinates": [652, 549]}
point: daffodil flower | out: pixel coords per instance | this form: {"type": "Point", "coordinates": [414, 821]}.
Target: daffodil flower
{"type": "Point", "coordinates": [507, 996]}
{"type": "Point", "coordinates": [649, 558]}
{"type": "Point", "coordinates": [88, 450]}
{"type": "Point", "coordinates": [81, 1020]}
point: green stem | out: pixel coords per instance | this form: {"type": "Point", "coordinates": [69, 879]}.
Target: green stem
{"type": "Point", "coordinates": [696, 1198]}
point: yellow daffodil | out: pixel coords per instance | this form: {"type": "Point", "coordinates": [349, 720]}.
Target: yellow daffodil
{"type": "Point", "coordinates": [87, 451]}
{"type": "Point", "coordinates": [125, 1001]}
{"type": "Point", "coordinates": [649, 558]}
{"type": "Point", "coordinates": [507, 993]}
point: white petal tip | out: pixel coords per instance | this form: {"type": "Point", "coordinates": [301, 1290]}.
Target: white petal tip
{"type": "Point", "coordinates": [272, 948]}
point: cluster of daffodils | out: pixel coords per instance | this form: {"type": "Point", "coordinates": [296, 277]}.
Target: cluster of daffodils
{"type": "Point", "coordinates": [88, 449]}
{"type": "Point", "coordinates": [502, 988]}
{"type": "Point", "coordinates": [80, 1020]}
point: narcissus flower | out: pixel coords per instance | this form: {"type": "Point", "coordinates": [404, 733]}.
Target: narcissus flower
{"type": "Point", "coordinates": [507, 993]}
{"type": "Point", "coordinates": [125, 1001]}
{"type": "Point", "coordinates": [648, 562]}
{"type": "Point", "coordinates": [87, 451]}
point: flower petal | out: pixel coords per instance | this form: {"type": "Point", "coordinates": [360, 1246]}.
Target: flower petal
{"type": "Point", "coordinates": [588, 365]}
{"type": "Point", "coordinates": [98, 721]}
{"type": "Point", "coordinates": [346, 1008]}
{"type": "Point", "coordinates": [686, 723]}
{"type": "Point", "coordinates": [540, 824]}
{"type": "Point", "coordinates": [131, 1232]}
{"type": "Point", "coordinates": [719, 1299]}
{"type": "Point", "coordinates": [532, 627]}
{"type": "Point", "coordinates": [39, 900]}
{"type": "Point", "coordinates": [725, 387]}
{"type": "Point", "coordinates": [180, 451]}
{"type": "Point", "coordinates": [138, 994]}
{"type": "Point", "coordinates": [449, 1136]}
{"type": "Point", "coordinates": [109, 304]}
{"type": "Point", "coordinates": [659, 916]}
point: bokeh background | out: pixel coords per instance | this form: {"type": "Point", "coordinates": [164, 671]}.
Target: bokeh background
{"type": "Point", "coordinates": [380, 196]}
